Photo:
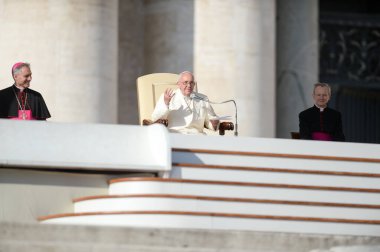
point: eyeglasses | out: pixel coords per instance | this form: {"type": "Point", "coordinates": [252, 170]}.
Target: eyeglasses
{"type": "Point", "coordinates": [185, 83]}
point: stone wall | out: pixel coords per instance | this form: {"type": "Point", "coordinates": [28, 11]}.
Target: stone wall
{"type": "Point", "coordinates": [60, 238]}
{"type": "Point", "coordinates": [72, 48]}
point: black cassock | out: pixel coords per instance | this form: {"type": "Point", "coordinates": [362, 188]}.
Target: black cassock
{"type": "Point", "coordinates": [9, 106]}
{"type": "Point", "coordinates": [313, 120]}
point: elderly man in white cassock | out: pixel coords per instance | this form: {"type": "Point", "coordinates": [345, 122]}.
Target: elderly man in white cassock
{"type": "Point", "coordinates": [187, 112]}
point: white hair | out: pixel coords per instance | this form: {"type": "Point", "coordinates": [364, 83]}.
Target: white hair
{"type": "Point", "coordinates": [17, 69]}
{"type": "Point", "coordinates": [183, 73]}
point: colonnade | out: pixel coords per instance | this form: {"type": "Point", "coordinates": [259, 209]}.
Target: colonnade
{"type": "Point", "coordinates": [86, 55]}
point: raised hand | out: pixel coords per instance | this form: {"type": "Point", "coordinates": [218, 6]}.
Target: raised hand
{"type": "Point", "coordinates": [168, 95]}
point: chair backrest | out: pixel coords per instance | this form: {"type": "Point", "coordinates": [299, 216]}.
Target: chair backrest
{"type": "Point", "coordinates": [149, 89]}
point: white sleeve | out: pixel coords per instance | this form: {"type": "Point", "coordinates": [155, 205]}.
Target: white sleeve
{"type": "Point", "coordinates": [161, 111]}
{"type": "Point", "coordinates": [209, 115]}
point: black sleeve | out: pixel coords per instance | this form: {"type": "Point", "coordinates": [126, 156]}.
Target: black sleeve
{"type": "Point", "coordinates": [6, 99]}
{"type": "Point", "coordinates": [38, 106]}
{"type": "Point", "coordinates": [338, 134]}
{"type": "Point", "coordinates": [304, 126]}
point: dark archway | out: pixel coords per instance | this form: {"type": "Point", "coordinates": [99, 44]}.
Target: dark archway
{"type": "Point", "coordinates": [350, 62]}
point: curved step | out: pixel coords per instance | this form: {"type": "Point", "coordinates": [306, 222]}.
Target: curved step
{"type": "Point", "coordinates": [186, 203]}
{"type": "Point", "coordinates": [223, 221]}
{"type": "Point", "coordinates": [133, 186]}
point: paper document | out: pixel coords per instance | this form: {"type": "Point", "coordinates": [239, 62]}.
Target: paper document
{"type": "Point", "coordinates": [220, 118]}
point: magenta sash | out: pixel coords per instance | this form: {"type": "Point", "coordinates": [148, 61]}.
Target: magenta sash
{"type": "Point", "coordinates": [27, 115]}
{"type": "Point", "coordinates": [321, 136]}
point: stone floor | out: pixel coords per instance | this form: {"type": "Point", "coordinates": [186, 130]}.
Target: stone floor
{"type": "Point", "coordinates": [59, 238]}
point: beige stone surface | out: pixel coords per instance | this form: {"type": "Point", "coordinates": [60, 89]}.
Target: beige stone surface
{"type": "Point", "coordinates": [154, 37]}
{"type": "Point", "coordinates": [37, 238]}
{"type": "Point", "coordinates": [72, 47]}
{"type": "Point", "coordinates": [169, 36]}
{"type": "Point", "coordinates": [130, 58]}
{"type": "Point", "coordinates": [28, 194]}
{"type": "Point", "coordinates": [234, 59]}
{"type": "Point", "coordinates": [87, 55]}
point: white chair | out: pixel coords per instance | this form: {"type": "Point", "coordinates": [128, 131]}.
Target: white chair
{"type": "Point", "coordinates": [149, 89]}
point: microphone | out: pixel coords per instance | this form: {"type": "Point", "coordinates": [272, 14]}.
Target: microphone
{"type": "Point", "coordinates": [204, 98]}
{"type": "Point", "coordinates": [197, 96]}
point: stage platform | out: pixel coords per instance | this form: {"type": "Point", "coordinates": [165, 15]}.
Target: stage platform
{"type": "Point", "coordinates": [145, 177]}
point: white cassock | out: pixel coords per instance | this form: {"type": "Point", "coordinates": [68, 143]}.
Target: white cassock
{"type": "Point", "coordinates": [185, 115]}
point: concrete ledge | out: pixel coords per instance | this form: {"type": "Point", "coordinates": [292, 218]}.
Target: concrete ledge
{"type": "Point", "coordinates": [56, 238]}
{"type": "Point", "coordinates": [35, 144]}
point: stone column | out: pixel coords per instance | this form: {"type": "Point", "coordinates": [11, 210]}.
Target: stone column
{"type": "Point", "coordinates": [169, 36]}
{"type": "Point", "coordinates": [72, 47]}
{"type": "Point", "coordinates": [297, 61]}
{"type": "Point", "coordinates": [235, 59]}
{"type": "Point", "coordinates": [155, 36]}
{"type": "Point", "coordinates": [131, 58]}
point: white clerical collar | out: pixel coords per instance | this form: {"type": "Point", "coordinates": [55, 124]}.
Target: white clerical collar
{"type": "Point", "coordinates": [186, 98]}
{"type": "Point", "coordinates": [19, 88]}
{"type": "Point", "coordinates": [320, 108]}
